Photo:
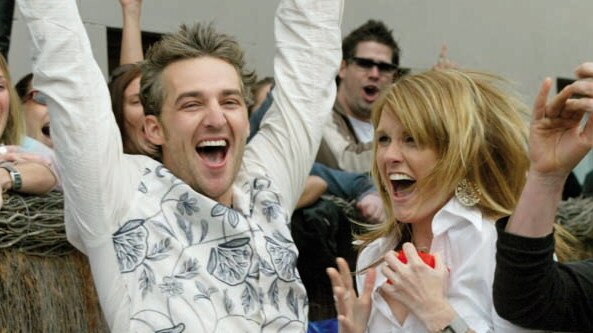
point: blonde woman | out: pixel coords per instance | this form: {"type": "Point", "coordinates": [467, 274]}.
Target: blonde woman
{"type": "Point", "coordinates": [24, 165]}
{"type": "Point", "coordinates": [449, 159]}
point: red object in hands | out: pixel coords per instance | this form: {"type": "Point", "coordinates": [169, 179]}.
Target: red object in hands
{"type": "Point", "coordinates": [426, 257]}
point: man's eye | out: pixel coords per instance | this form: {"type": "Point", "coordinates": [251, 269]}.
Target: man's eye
{"type": "Point", "coordinates": [231, 102]}
{"type": "Point", "coordinates": [191, 105]}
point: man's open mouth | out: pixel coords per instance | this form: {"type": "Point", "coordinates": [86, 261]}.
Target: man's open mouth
{"type": "Point", "coordinates": [371, 90]}
{"type": "Point", "coordinates": [213, 151]}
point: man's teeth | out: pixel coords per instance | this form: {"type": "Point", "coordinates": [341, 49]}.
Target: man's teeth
{"type": "Point", "coordinates": [212, 143]}
{"type": "Point", "coordinates": [399, 176]}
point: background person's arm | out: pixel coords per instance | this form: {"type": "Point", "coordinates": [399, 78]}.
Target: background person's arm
{"type": "Point", "coordinates": [131, 36]}
{"type": "Point", "coordinates": [530, 289]}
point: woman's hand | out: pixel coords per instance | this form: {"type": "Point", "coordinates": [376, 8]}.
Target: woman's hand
{"type": "Point", "coordinates": [420, 288]}
{"type": "Point", "coordinates": [353, 311]}
{"type": "Point", "coordinates": [14, 155]}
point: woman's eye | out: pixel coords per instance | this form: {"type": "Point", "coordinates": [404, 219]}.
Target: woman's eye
{"type": "Point", "coordinates": [383, 139]}
{"type": "Point", "coordinates": [409, 140]}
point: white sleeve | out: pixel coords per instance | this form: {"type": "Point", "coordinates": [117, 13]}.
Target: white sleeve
{"type": "Point", "coordinates": [86, 139]}
{"type": "Point", "coordinates": [308, 54]}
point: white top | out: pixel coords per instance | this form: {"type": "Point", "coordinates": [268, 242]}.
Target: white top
{"type": "Point", "coordinates": [467, 242]}
{"type": "Point", "coordinates": [363, 129]}
{"type": "Point", "coordinates": [163, 256]}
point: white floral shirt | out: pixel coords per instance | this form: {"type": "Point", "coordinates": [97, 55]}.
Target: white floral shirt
{"type": "Point", "coordinates": [164, 257]}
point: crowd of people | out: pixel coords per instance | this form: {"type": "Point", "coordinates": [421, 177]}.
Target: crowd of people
{"type": "Point", "coordinates": [208, 200]}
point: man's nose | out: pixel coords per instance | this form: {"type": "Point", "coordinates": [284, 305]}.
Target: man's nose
{"type": "Point", "coordinates": [215, 116]}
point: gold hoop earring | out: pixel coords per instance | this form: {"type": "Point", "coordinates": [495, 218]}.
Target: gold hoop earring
{"type": "Point", "coordinates": [467, 193]}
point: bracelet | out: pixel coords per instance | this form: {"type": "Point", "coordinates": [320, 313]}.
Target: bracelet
{"type": "Point", "coordinates": [15, 176]}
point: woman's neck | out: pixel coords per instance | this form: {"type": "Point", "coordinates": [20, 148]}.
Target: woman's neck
{"type": "Point", "coordinates": [422, 235]}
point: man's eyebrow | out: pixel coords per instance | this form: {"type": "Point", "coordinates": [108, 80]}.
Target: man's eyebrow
{"type": "Point", "coordinates": [198, 94]}
{"type": "Point", "coordinates": [228, 92]}
{"type": "Point", "coordinates": [188, 94]}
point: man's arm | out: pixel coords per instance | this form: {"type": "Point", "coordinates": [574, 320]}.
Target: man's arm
{"type": "Point", "coordinates": [347, 185]}
{"type": "Point", "coordinates": [528, 284]}
{"type": "Point", "coordinates": [87, 142]}
{"type": "Point", "coordinates": [306, 62]}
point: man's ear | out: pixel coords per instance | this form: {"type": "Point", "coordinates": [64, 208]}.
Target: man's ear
{"type": "Point", "coordinates": [342, 71]}
{"type": "Point", "coordinates": [153, 130]}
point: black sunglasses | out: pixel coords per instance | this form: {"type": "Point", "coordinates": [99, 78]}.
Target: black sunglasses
{"type": "Point", "coordinates": [384, 68]}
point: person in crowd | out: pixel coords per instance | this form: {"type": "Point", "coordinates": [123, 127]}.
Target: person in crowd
{"type": "Point", "coordinates": [34, 107]}
{"type": "Point", "coordinates": [24, 165]}
{"type": "Point", "coordinates": [124, 84]}
{"type": "Point", "coordinates": [325, 180]}
{"type": "Point", "coordinates": [351, 186]}
{"type": "Point", "coordinates": [200, 242]}
{"type": "Point", "coordinates": [370, 61]}
{"type": "Point", "coordinates": [442, 193]}
{"type": "Point", "coordinates": [260, 91]}
{"type": "Point", "coordinates": [124, 88]}
{"type": "Point", "coordinates": [530, 288]}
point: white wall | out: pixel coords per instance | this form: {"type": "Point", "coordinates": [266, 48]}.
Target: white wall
{"type": "Point", "coordinates": [523, 40]}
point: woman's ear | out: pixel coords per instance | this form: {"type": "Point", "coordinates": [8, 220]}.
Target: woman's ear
{"type": "Point", "coordinates": [153, 130]}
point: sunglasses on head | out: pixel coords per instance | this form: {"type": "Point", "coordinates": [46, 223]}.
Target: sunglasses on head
{"type": "Point", "coordinates": [384, 67]}
{"type": "Point", "coordinates": [37, 97]}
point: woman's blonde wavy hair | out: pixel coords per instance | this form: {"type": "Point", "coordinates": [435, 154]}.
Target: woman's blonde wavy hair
{"type": "Point", "coordinates": [15, 124]}
{"type": "Point", "coordinates": [478, 129]}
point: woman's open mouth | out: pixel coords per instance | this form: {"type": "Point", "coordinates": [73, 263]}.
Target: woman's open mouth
{"type": "Point", "coordinates": [402, 184]}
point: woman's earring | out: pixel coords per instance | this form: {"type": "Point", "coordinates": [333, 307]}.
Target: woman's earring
{"type": "Point", "coordinates": [467, 193]}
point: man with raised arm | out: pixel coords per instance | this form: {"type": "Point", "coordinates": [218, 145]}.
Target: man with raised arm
{"type": "Point", "coordinates": [199, 243]}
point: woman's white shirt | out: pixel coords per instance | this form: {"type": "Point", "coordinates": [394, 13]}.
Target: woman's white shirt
{"type": "Point", "coordinates": [467, 243]}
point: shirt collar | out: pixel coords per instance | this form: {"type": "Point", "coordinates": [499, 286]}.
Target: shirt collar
{"type": "Point", "coordinates": [453, 213]}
